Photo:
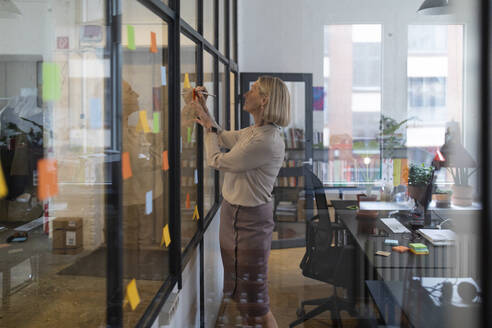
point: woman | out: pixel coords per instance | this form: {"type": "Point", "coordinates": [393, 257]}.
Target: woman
{"type": "Point", "coordinates": [251, 167]}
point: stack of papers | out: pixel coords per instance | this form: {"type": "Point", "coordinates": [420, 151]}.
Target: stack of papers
{"type": "Point", "coordinates": [438, 237]}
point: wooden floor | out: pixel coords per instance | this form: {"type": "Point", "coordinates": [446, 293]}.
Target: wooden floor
{"type": "Point", "coordinates": [287, 288]}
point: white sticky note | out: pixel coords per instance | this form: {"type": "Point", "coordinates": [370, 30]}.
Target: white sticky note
{"type": "Point", "coordinates": [196, 176]}
{"type": "Point", "coordinates": [148, 202]}
{"type": "Point", "coordinates": [163, 75]}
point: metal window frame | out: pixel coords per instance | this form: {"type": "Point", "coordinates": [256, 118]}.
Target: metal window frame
{"type": "Point", "coordinates": [177, 259]}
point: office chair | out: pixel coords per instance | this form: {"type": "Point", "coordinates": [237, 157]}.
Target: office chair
{"type": "Point", "coordinates": [326, 259]}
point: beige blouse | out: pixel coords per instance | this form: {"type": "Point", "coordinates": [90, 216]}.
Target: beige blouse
{"type": "Point", "coordinates": [252, 164]}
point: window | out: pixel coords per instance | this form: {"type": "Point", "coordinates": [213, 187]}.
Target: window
{"type": "Point", "coordinates": [349, 122]}
{"type": "Point", "coordinates": [435, 86]}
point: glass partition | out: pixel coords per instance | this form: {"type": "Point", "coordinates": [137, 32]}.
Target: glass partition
{"type": "Point", "coordinates": [189, 147]}
{"type": "Point", "coordinates": [209, 76]}
{"type": "Point", "coordinates": [145, 141]}
{"type": "Point", "coordinates": [209, 21]}
{"type": "Point", "coordinates": [223, 99]}
{"type": "Point", "coordinates": [189, 12]}
{"type": "Point", "coordinates": [221, 22]}
{"type": "Point", "coordinates": [54, 130]}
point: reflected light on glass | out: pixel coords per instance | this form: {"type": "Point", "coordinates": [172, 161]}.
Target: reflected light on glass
{"type": "Point", "coordinates": [9, 10]}
{"type": "Point", "coordinates": [425, 136]}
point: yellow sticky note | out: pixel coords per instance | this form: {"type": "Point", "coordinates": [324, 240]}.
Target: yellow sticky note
{"type": "Point", "coordinates": [143, 123]}
{"type": "Point", "coordinates": [166, 236]}
{"type": "Point", "coordinates": [132, 294]}
{"type": "Point", "coordinates": [186, 83]}
{"type": "Point", "coordinates": [3, 184]}
{"type": "Point", "coordinates": [196, 215]}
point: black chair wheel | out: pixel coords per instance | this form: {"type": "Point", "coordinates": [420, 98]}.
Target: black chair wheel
{"type": "Point", "coordinates": [300, 313]}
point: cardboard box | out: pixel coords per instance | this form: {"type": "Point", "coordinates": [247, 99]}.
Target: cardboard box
{"type": "Point", "coordinates": [68, 235]}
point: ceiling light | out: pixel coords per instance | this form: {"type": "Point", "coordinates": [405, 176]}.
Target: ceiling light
{"type": "Point", "coordinates": [9, 10]}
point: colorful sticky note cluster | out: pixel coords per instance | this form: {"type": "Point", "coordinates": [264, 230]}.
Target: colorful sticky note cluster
{"type": "Point", "coordinates": [186, 83]}
{"type": "Point", "coordinates": [196, 215]}
{"type": "Point", "coordinates": [3, 185]}
{"type": "Point", "coordinates": [126, 168]}
{"type": "Point", "coordinates": [130, 30]}
{"type": "Point", "coordinates": [51, 81]}
{"type": "Point", "coordinates": [165, 161]}
{"type": "Point", "coordinates": [47, 178]}
{"type": "Point", "coordinates": [132, 295]}
{"type": "Point", "coordinates": [143, 123]}
{"type": "Point", "coordinates": [153, 42]}
{"type": "Point", "coordinates": [166, 236]}
{"type": "Point", "coordinates": [156, 122]}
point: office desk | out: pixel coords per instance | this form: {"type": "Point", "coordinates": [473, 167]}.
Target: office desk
{"type": "Point", "coordinates": [391, 272]}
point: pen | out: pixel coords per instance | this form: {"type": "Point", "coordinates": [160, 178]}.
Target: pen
{"type": "Point", "coordinates": [203, 93]}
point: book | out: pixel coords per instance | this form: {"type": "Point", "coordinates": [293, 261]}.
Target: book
{"type": "Point", "coordinates": [418, 248]}
{"type": "Point", "coordinates": [438, 237]}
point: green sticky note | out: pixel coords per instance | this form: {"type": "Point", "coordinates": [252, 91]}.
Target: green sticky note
{"type": "Point", "coordinates": [189, 134]}
{"type": "Point", "coordinates": [51, 81]}
{"type": "Point", "coordinates": [157, 122]}
{"type": "Point", "coordinates": [131, 37]}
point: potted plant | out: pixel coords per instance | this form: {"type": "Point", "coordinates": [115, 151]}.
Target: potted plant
{"type": "Point", "coordinates": [442, 198]}
{"type": "Point", "coordinates": [390, 137]}
{"type": "Point", "coordinates": [462, 191]}
{"type": "Point", "coordinates": [419, 179]}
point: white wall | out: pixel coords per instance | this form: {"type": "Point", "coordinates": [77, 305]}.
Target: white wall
{"type": "Point", "coordinates": [187, 313]}
{"type": "Point", "coordinates": [287, 36]}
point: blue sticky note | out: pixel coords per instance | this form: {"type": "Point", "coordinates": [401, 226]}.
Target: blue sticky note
{"type": "Point", "coordinates": [148, 202]}
{"type": "Point", "coordinates": [95, 117]}
{"type": "Point", "coordinates": [196, 176]}
{"type": "Point", "coordinates": [163, 75]}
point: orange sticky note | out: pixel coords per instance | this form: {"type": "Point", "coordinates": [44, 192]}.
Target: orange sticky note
{"type": "Point", "coordinates": [125, 165]}
{"type": "Point", "coordinates": [3, 184]}
{"type": "Point", "coordinates": [153, 42]}
{"type": "Point", "coordinates": [166, 236]}
{"type": "Point", "coordinates": [188, 205]}
{"type": "Point", "coordinates": [132, 294]}
{"type": "Point", "coordinates": [143, 123]}
{"type": "Point", "coordinates": [165, 161]}
{"type": "Point", "coordinates": [47, 178]}
{"type": "Point", "coordinates": [196, 215]}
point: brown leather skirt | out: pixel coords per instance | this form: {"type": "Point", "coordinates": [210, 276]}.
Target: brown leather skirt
{"type": "Point", "coordinates": [245, 241]}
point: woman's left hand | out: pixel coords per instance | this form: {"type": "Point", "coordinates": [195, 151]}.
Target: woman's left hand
{"type": "Point", "coordinates": [202, 116]}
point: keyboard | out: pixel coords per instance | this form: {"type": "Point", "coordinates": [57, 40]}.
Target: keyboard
{"type": "Point", "coordinates": [394, 225]}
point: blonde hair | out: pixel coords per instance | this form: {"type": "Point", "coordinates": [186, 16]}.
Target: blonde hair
{"type": "Point", "coordinates": [277, 110]}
